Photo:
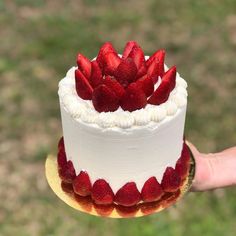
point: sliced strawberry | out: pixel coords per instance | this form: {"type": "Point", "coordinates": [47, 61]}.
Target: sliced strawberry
{"type": "Point", "coordinates": [160, 57]}
{"type": "Point", "coordinates": [61, 145]}
{"type": "Point", "coordinates": [82, 185]}
{"type": "Point", "coordinates": [185, 155]}
{"type": "Point", "coordinates": [170, 76]}
{"type": "Point", "coordinates": [84, 65]}
{"type": "Point", "coordinates": [96, 75]}
{"type": "Point", "coordinates": [111, 61]}
{"type": "Point", "coordinates": [151, 190]}
{"type": "Point", "coordinates": [134, 98]}
{"type": "Point", "coordinates": [161, 94]}
{"type": "Point", "coordinates": [181, 168]}
{"type": "Point", "coordinates": [114, 85]}
{"type": "Point", "coordinates": [102, 192]}
{"type": "Point", "coordinates": [104, 99]}
{"type": "Point", "coordinates": [67, 173]}
{"type": "Point", "coordinates": [128, 47]}
{"type": "Point", "coordinates": [106, 48]}
{"type": "Point", "coordinates": [128, 195]}
{"type": "Point", "coordinates": [142, 71]}
{"type": "Point", "coordinates": [153, 70]}
{"type": "Point", "coordinates": [138, 56]}
{"type": "Point", "coordinates": [83, 88]}
{"type": "Point", "coordinates": [126, 72]}
{"type": "Point", "coordinates": [146, 84]}
{"type": "Point", "coordinates": [61, 159]}
{"type": "Point", "coordinates": [171, 180]}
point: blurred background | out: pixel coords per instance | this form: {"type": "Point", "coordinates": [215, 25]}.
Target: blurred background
{"type": "Point", "coordinates": [39, 41]}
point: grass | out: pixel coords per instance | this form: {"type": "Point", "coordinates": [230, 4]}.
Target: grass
{"type": "Point", "coordinates": [39, 42]}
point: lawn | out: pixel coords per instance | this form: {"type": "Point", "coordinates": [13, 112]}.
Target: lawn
{"type": "Point", "coordinates": [39, 41]}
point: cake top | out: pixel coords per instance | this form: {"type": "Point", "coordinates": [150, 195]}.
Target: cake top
{"type": "Point", "coordinates": [116, 90]}
{"type": "Point", "coordinates": [127, 81]}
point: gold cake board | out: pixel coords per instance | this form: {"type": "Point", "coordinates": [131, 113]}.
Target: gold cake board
{"type": "Point", "coordinates": [85, 204]}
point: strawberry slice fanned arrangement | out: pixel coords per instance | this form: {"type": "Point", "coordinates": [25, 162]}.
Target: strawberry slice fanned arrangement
{"type": "Point", "coordinates": [127, 81]}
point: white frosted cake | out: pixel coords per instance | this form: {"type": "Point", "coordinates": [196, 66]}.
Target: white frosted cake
{"type": "Point", "coordinates": [123, 136]}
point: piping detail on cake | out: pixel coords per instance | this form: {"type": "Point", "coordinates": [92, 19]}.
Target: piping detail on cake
{"type": "Point", "coordinates": [83, 110]}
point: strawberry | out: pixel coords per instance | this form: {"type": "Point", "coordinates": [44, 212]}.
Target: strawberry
{"type": "Point", "coordinates": [96, 74]}
{"type": "Point", "coordinates": [141, 71]}
{"type": "Point", "coordinates": [114, 85]}
{"type": "Point", "coordinates": [67, 187]}
{"type": "Point", "coordinates": [104, 99]}
{"type": "Point", "coordinates": [128, 47]}
{"type": "Point", "coordinates": [161, 94]}
{"type": "Point", "coordinates": [84, 65]}
{"type": "Point", "coordinates": [82, 185]}
{"type": "Point", "coordinates": [151, 190]}
{"type": "Point", "coordinates": [67, 173]}
{"type": "Point", "coordinates": [181, 168]}
{"type": "Point", "coordinates": [106, 48]}
{"type": "Point", "coordinates": [61, 159]}
{"type": "Point", "coordinates": [160, 56]}
{"type": "Point", "coordinates": [111, 61]}
{"type": "Point", "coordinates": [134, 98]}
{"type": "Point", "coordinates": [83, 88]}
{"type": "Point", "coordinates": [61, 145]}
{"type": "Point", "coordinates": [183, 163]}
{"type": "Point", "coordinates": [185, 155]}
{"type": "Point", "coordinates": [170, 76]}
{"type": "Point", "coordinates": [102, 192]}
{"type": "Point", "coordinates": [126, 72]}
{"type": "Point", "coordinates": [138, 56]}
{"type": "Point", "coordinates": [154, 71]}
{"type": "Point", "coordinates": [171, 180]}
{"type": "Point", "coordinates": [146, 84]}
{"type": "Point", "coordinates": [128, 195]}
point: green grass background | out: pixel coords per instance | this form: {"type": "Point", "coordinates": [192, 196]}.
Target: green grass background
{"type": "Point", "coordinates": [39, 41]}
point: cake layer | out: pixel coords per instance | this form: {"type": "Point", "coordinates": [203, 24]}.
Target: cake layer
{"type": "Point", "coordinates": [120, 156]}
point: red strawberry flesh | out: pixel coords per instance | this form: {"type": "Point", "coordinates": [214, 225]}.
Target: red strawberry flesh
{"type": "Point", "coordinates": [104, 99]}
{"type": "Point", "coordinates": [67, 173]}
{"type": "Point", "coordinates": [146, 84]}
{"type": "Point", "coordinates": [134, 98]}
{"type": "Point", "coordinates": [111, 61]}
{"type": "Point", "coordinates": [171, 180]}
{"type": "Point", "coordinates": [138, 56]}
{"type": "Point", "coordinates": [102, 192]}
{"type": "Point", "coordinates": [152, 190]}
{"type": "Point", "coordinates": [106, 48]}
{"type": "Point", "coordinates": [114, 85]}
{"type": "Point", "coordinates": [83, 88]}
{"type": "Point", "coordinates": [84, 65]}
{"type": "Point", "coordinates": [96, 75]}
{"type": "Point", "coordinates": [126, 72]}
{"type": "Point", "coordinates": [82, 185]}
{"type": "Point", "coordinates": [128, 47]}
{"type": "Point", "coordinates": [128, 195]}
{"type": "Point", "coordinates": [160, 57]}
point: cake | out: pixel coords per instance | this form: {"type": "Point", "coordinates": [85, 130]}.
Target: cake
{"type": "Point", "coordinates": [123, 118]}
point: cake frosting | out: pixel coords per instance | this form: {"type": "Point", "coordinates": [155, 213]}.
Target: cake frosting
{"type": "Point", "coordinates": [107, 145]}
{"type": "Point", "coordinates": [123, 120]}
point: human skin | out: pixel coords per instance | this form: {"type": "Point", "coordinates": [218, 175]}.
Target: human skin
{"type": "Point", "coordinates": [214, 170]}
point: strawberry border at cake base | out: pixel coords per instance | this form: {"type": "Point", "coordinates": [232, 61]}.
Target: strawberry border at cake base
{"type": "Point", "coordinates": [85, 204]}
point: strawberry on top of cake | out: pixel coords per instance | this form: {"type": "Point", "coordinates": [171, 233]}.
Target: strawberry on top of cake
{"type": "Point", "coordinates": [128, 81]}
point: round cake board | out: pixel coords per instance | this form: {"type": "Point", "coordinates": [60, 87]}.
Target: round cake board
{"type": "Point", "coordinates": [85, 204]}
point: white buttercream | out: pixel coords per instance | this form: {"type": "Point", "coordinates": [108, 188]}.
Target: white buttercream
{"type": "Point", "coordinates": [119, 118]}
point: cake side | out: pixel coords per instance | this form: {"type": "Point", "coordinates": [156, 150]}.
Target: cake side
{"type": "Point", "coordinates": [118, 156]}
{"type": "Point", "coordinates": [123, 122]}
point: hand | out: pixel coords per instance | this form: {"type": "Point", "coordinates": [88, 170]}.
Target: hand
{"type": "Point", "coordinates": [214, 170]}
